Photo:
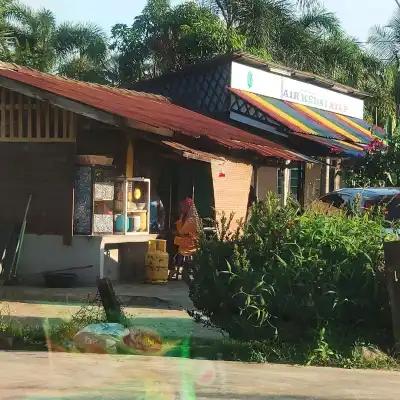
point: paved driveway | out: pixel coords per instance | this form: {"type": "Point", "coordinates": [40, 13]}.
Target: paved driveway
{"type": "Point", "coordinates": [167, 322]}
{"type": "Point", "coordinates": [64, 376]}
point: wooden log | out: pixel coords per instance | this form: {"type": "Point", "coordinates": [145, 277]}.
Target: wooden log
{"type": "Point", "coordinates": [112, 307]}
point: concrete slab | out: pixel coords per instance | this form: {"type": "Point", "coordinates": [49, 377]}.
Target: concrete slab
{"type": "Point", "coordinates": [173, 295]}
{"type": "Point", "coordinates": [168, 323]}
{"type": "Point", "coordinates": [64, 376]}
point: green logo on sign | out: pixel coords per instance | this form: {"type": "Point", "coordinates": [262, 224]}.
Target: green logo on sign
{"type": "Point", "coordinates": [250, 79]}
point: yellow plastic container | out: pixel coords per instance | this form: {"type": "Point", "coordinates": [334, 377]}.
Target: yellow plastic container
{"type": "Point", "coordinates": [156, 263]}
{"type": "Point", "coordinates": [152, 246]}
{"type": "Point", "coordinates": [161, 245]}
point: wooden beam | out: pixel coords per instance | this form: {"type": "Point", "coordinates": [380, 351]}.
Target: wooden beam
{"type": "Point", "coordinates": [62, 102]}
{"type": "Point", "coordinates": [37, 140]}
{"type": "Point", "coordinates": [198, 157]}
{"type": "Point", "coordinates": [130, 123]}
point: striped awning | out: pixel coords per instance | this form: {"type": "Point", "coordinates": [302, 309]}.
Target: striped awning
{"type": "Point", "coordinates": [334, 130]}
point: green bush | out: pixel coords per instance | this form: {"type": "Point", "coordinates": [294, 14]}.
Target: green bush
{"type": "Point", "coordinates": [284, 275]}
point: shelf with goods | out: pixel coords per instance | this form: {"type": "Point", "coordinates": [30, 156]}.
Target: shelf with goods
{"type": "Point", "coordinates": [104, 201]}
{"type": "Point", "coordinates": [131, 206]}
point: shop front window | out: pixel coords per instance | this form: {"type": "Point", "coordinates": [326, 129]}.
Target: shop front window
{"type": "Point", "coordinates": [294, 180]}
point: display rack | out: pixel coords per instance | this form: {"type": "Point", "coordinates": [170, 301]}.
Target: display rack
{"type": "Point", "coordinates": [132, 206]}
{"type": "Point", "coordinates": [107, 205]}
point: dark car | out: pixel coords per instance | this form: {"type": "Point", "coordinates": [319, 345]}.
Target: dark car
{"type": "Point", "coordinates": [369, 197]}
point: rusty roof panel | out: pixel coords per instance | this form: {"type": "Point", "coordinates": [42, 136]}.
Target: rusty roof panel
{"type": "Point", "coordinates": [149, 109]}
{"type": "Point", "coordinates": [186, 151]}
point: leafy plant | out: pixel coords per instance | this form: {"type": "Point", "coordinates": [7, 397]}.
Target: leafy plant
{"type": "Point", "coordinates": [286, 274]}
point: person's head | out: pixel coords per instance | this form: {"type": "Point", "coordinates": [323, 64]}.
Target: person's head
{"type": "Point", "coordinates": [185, 205]}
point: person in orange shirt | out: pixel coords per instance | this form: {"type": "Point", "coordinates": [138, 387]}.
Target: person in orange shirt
{"type": "Point", "coordinates": [187, 230]}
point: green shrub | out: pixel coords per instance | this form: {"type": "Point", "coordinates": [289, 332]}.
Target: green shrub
{"type": "Point", "coordinates": [284, 275]}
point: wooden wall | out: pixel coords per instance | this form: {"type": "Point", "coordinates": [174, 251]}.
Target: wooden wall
{"type": "Point", "coordinates": [45, 171]}
{"type": "Point", "coordinates": [231, 190]}
{"type": "Point", "coordinates": [24, 119]}
{"type": "Point", "coordinates": [101, 140]}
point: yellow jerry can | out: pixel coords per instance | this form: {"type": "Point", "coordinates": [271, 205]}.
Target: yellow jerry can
{"type": "Point", "coordinates": [156, 262]}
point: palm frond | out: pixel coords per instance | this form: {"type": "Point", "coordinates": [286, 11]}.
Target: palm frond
{"type": "Point", "coordinates": [321, 21]}
{"type": "Point", "coordinates": [84, 39]}
{"type": "Point", "coordinates": [383, 43]}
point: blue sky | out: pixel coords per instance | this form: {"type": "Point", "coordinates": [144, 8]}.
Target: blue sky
{"type": "Point", "coordinates": [357, 15]}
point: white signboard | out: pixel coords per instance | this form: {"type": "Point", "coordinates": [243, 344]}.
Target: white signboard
{"type": "Point", "coordinates": [284, 88]}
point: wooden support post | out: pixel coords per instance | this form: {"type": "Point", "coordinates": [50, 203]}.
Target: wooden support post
{"type": "Point", "coordinates": [325, 176]}
{"type": "Point", "coordinates": [20, 116]}
{"type": "Point", "coordinates": [29, 122]}
{"type": "Point", "coordinates": [11, 114]}
{"type": "Point", "coordinates": [256, 183]}
{"type": "Point", "coordinates": [3, 113]}
{"type": "Point", "coordinates": [338, 176]}
{"type": "Point", "coordinates": [285, 183]}
{"type": "Point", "coordinates": [130, 159]}
{"type": "Point", "coordinates": [65, 124]}
{"type": "Point", "coordinates": [71, 125]}
{"type": "Point", "coordinates": [47, 121]}
{"type": "Point", "coordinates": [38, 121]}
{"type": "Point", "coordinates": [301, 180]}
{"type": "Point", "coordinates": [55, 127]}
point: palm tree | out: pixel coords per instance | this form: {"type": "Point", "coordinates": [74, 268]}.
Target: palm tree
{"type": "Point", "coordinates": [385, 40]}
{"type": "Point", "coordinates": [81, 51]}
{"type": "Point", "coordinates": [74, 50]}
{"type": "Point", "coordinates": [6, 39]}
{"type": "Point", "coordinates": [33, 31]}
{"type": "Point", "coordinates": [384, 43]}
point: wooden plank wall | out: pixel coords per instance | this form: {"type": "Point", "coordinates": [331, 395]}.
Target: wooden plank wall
{"type": "Point", "coordinates": [24, 119]}
{"type": "Point", "coordinates": [45, 171]}
{"type": "Point", "coordinates": [37, 157]}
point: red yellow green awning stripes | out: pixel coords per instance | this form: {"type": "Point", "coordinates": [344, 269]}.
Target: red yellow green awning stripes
{"type": "Point", "coordinates": [352, 132]}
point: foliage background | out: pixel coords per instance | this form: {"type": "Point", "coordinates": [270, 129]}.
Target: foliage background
{"type": "Point", "coordinates": [297, 33]}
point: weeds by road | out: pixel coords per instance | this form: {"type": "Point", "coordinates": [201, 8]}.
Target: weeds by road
{"type": "Point", "coordinates": [323, 351]}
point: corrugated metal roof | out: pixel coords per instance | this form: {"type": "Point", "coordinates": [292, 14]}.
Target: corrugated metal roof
{"type": "Point", "coordinates": [342, 134]}
{"type": "Point", "coordinates": [314, 121]}
{"type": "Point", "coordinates": [149, 109]}
{"type": "Point", "coordinates": [191, 153]}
